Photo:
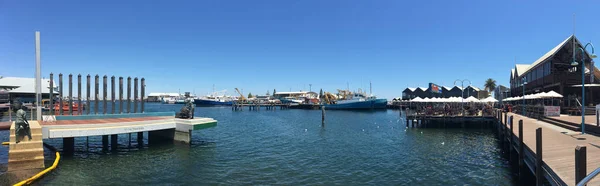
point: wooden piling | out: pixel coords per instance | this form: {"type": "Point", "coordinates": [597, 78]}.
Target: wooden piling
{"type": "Point", "coordinates": [120, 95]}
{"type": "Point", "coordinates": [104, 142]}
{"type": "Point", "coordinates": [51, 94]}
{"type": "Point", "coordinates": [79, 105]}
{"type": "Point", "coordinates": [323, 116]}
{"type": "Point", "coordinates": [104, 94]}
{"type": "Point", "coordinates": [70, 94]}
{"type": "Point", "coordinates": [114, 142]}
{"type": "Point", "coordinates": [112, 94]}
{"type": "Point", "coordinates": [539, 174]}
{"type": "Point", "coordinates": [143, 87]}
{"type": "Point", "coordinates": [140, 139]}
{"type": "Point", "coordinates": [128, 94]}
{"type": "Point", "coordinates": [87, 99]}
{"type": "Point", "coordinates": [60, 95]}
{"type": "Point", "coordinates": [580, 163]}
{"type": "Point", "coordinates": [510, 139]}
{"type": "Point", "coordinates": [135, 95]}
{"type": "Point", "coordinates": [96, 93]}
{"type": "Point", "coordinates": [521, 153]}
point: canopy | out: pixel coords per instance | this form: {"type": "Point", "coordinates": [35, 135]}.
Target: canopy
{"type": "Point", "coordinates": [489, 99]}
{"type": "Point", "coordinates": [417, 99]}
{"type": "Point", "coordinates": [553, 94]}
{"type": "Point", "coordinates": [471, 99]}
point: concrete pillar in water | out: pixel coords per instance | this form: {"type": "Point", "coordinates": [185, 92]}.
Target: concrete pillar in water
{"type": "Point", "coordinates": [120, 95]}
{"type": "Point", "coordinates": [79, 105]}
{"type": "Point", "coordinates": [140, 139]}
{"type": "Point", "coordinates": [114, 141]}
{"type": "Point", "coordinates": [580, 163]}
{"type": "Point", "coordinates": [70, 94]}
{"type": "Point", "coordinates": [69, 145]}
{"type": "Point", "coordinates": [112, 95]}
{"type": "Point", "coordinates": [135, 94]}
{"type": "Point", "coordinates": [104, 94]}
{"type": "Point", "coordinates": [96, 93]}
{"type": "Point", "coordinates": [104, 142]}
{"type": "Point", "coordinates": [51, 94]}
{"type": "Point", "coordinates": [143, 87]}
{"type": "Point", "coordinates": [60, 94]}
{"type": "Point", "coordinates": [128, 94]}
{"type": "Point", "coordinates": [87, 98]}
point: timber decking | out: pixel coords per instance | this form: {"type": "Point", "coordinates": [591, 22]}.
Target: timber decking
{"type": "Point", "coordinates": [101, 121]}
{"type": "Point", "coordinates": [559, 147]}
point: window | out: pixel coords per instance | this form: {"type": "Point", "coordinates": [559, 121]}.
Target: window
{"type": "Point", "coordinates": [540, 71]}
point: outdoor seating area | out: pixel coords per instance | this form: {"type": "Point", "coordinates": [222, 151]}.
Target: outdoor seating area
{"type": "Point", "coordinates": [451, 107]}
{"type": "Point", "coordinates": [535, 105]}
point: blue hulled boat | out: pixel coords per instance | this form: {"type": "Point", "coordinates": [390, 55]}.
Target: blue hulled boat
{"type": "Point", "coordinates": [213, 101]}
{"type": "Point", "coordinates": [357, 101]}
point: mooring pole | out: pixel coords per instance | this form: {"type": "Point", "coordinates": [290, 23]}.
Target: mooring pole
{"type": "Point", "coordinates": [143, 86]}
{"type": "Point", "coordinates": [51, 94]}
{"type": "Point", "coordinates": [135, 94]}
{"type": "Point", "coordinates": [539, 174]}
{"type": "Point", "coordinates": [112, 95]}
{"type": "Point", "coordinates": [79, 105]}
{"type": "Point", "coordinates": [70, 94]}
{"type": "Point", "coordinates": [120, 95]}
{"type": "Point", "coordinates": [104, 94]}
{"type": "Point", "coordinates": [97, 94]}
{"type": "Point", "coordinates": [60, 94]}
{"type": "Point", "coordinates": [128, 94]}
{"type": "Point", "coordinates": [87, 99]}
{"type": "Point", "coordinates": [323, 116]}
{"type": "Point", "coordinates": [580, 163]}
{"type": "Point", "coordinates": [521, 153]}
{"type": "Point", "coordinates": [510, 139]}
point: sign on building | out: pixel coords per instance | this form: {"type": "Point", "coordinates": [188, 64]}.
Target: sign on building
{"type": "Point", "coordinates": [551, 111]}
{"type": "Point", "coordinates": [435, 88]}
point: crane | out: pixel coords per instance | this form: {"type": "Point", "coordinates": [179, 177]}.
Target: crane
{"type": "Point", "coordinates": [242, 98]}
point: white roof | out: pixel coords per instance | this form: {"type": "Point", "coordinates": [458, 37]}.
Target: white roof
{"type": "Point", "coordinates": [474, 88]}
{"type": "Point", "coordinates": [412, 89]}
{"type": "Point", "coordinates": [521, 68]}
{"type": "Point", "coordinates": [164, 94]}
{"type": "Point", "coordinates": [25, 85]}
{"type": "Point", "coordinates": [301, 92]}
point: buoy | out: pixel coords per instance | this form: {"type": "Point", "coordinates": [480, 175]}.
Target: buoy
{"type": "Point", "coordinates": [442, 143]}
{"type": "Point", "coordinates": [363, 130]}
{"type": "Point", "coordinates": [305, 130]}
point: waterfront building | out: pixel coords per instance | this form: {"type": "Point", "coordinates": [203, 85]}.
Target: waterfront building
{"type": "Point", "coordinates": [553, 72]}
{"type": "Point", "coordinates": [23, 88]}
{"type": "Point", "coordinates": [501, 92]}
{"type": "Point", "coordinates": [446, 92]}
{"type": "Point", "coordinates": [158, 97]}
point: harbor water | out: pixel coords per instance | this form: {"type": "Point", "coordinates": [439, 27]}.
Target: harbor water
{"type": "Point", "coordinates": [290, 147]}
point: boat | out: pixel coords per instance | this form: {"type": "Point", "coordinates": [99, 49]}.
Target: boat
{"type": "Point", "coordinates": [286, 100]}
{"type": "Point", "coordinates": [358, 101]}
{"type": "Point", "coordinates": [214, 101]}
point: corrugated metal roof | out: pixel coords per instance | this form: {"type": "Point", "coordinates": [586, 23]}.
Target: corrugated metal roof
{"type": "Point", "coordinates": [521, 69]}
{"type": "Point", "coordinates": [412, 89]}
{"type": "Point", "coordinates": [547, 55]}
{"type": "Point", "coordinates": [25, 85]}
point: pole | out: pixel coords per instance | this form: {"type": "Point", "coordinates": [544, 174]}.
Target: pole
{"type": "Point", "coordinates": [38, 77]}
{"type": "Point", "coordinates": [143, 87]}
{"type": "Point", "coordinates": [112, 94]}
{"type": "Point", "coordinates": [523, 106]}
{"type": "Point", "coordinates": [582, 89]}
{"type": "Point", "coordinates": [120, 95]}
{"type": "Point", "coordinates": [79, 105]}
{"type": "Point", "coordinates": [51, 94]}
{"type": "Point", "coordinates": [60, 94]}
{"type": "Point", "coordinates": [70, 94]}
{"type": "Point", "coordinates": [87, 99]}
{"type": "Point", "coordinates": [96, 94]}
{"type": "Point", "coordinates": [135, 94]}
{"type": "Point", "coordinates": [128, 94]}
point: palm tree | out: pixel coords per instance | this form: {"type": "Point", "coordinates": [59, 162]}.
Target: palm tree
{"type": "Point", "coordinates": [490, 85]}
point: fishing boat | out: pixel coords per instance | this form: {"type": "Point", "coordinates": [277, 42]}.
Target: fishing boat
{"type": "Point", "coordinates": [214, 101]}
{"type": "Point", "coordinates": [357, 101]}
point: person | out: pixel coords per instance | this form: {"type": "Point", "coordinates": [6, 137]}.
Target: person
{"type": "Point", "coordinates": [21, 124]}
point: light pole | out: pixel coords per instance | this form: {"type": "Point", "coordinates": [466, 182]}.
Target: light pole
{"type": "Point", "coordinates": [523, 105]}
{"type": "Point", "coordinates": [574, 63]}
{"type": "Point", "coordinates": [462, 93]}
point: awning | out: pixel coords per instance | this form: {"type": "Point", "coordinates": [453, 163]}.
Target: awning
{"type": "Point", "coordinates": [587, 85]}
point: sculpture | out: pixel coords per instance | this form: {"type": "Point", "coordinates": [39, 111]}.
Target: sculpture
{"type": "Point", "coordinates": [21, 124]}
{"type": "Point", "coordinates": [187, 111]}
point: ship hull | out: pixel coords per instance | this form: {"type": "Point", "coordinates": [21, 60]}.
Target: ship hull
{"type": "Point", "coordinates": [202, 102]}
{"type": "Point", "coordinates": [359, 105]}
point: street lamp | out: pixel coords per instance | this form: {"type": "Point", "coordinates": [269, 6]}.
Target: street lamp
{"type": "Point", "coordinates": [574, 63]}
{"type": "Point", "coordinates": [462, 93]}
{"type": "Point", "coordinates": [523, 107]}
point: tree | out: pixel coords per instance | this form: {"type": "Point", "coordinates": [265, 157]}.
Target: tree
{"type": "Point", "coordinates": [490, 85]}
{"type": "Point", "coordinates": [321, 94]}
{"type": "Point", "coordinates": [274, 91]}
{"type": "Point", "coordinates": [249, 95]}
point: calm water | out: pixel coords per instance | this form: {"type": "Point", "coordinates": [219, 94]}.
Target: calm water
{"type": "Point", "coordinates": [290, 147]}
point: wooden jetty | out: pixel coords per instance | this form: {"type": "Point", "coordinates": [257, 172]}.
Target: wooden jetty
{"type": "Point", "coordinates": [554, 155]}
{"type": "Point", "coordinates": [258, 106]}
{"type": "Point", "coordinates": [66, 125]}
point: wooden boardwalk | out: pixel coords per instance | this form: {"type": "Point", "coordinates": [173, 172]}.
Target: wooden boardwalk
{"type": "Point", "coordinates": [558, 147]}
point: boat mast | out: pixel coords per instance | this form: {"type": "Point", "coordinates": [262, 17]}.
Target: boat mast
{"type": "Point", "coordinates": [370, 89]}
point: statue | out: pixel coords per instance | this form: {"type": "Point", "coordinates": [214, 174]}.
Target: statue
{"type": "Point", "coordinates": [187, 111]}
{"type": "Point", "coordinates": [21, 124]}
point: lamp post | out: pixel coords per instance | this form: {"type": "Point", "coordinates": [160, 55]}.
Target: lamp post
{"type": "Point", "coordinates": [462, 93]}
{"type": "Point", "coordinates": [523, 106]}
{"type": "Point", "coordinates": [574, 63]}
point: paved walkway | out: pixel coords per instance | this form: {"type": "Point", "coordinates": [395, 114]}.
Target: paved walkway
{"type": "Point", "coordinates": [558, 145]}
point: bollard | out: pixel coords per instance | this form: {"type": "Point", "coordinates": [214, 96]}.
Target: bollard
{"type": "Point", "coordinates": [87, 99]}
{"type": "Point", "coordinates": [79, 105]}
{"type": "Point", "coordinates": [60, 94]}
{"type": "Point", "coordinates": [104, 94]}
{"type": "Point", "coordinates": [143, 86]}
{"type": "Point", "coordinates": [120, 95]}
{"type": "Point", "coordinates": [323, 116]}
{"type": "Point", "coordinates": [128, 94]}
{"type": "Point", "coordinates": [96, 95]}
{"type": "Point", "coordinates": [51, 106]}
{"type": "Point", "coordinates": [521, 153]}
{"type": "Point", "coordinates": [112, 94]}
{"type": "Point", "coordinates": [510, 139]}
{"type": "Point", "coordinates": [539, 175]}
{"type": "Point", "coordinates": [135, 94]}
{"type": "Point", "coordinates": [580, 163]}
{"type": "Point", "coordinates": [70, 94]}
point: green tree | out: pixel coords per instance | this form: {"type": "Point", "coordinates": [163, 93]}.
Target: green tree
{"type": "Point", "coordinates": [274, 91]}
{"type": "Point", "coordinates": [490, 85]}
{"type": "Point", "coordinates": [321, 94]}
{"type": "Point", "coordinates": [249, 95]}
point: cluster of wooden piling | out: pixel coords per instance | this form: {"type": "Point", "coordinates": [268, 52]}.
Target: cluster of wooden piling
{"type": "Point", "coordinates": [257, 106]}
{"type": "Point", "coordinates": [68, 143]}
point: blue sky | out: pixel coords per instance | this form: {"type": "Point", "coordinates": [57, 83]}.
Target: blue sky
{"type": "Point", "coordinates": [277, 44]}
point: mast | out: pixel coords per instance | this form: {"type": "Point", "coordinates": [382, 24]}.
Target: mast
{"type": "Point", "coordinates": [370, 89]}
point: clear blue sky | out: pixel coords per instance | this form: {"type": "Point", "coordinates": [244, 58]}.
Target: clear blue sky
{"type": "Point", "coordinates": [277, 44]}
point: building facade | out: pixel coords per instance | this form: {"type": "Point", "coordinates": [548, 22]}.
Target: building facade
{"type": "Point", "coordinates": [456, 91]}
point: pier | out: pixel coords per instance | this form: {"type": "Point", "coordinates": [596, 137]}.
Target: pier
{"type": "Point", "coordinates": [258, 106]}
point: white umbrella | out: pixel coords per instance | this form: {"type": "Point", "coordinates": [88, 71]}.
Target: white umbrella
{"type": "Point", "coordinates": [489, 99]}
{"type": "Point", "coordinates": [417, 99]}
{"type": "Point", "coordinates": [553, 94]}
{"type": "Point", "coordinates": [471, 99]}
